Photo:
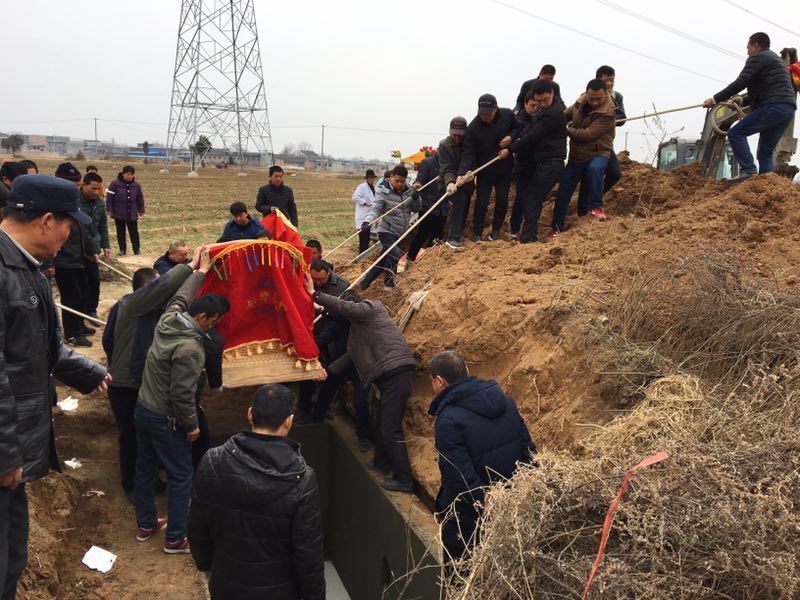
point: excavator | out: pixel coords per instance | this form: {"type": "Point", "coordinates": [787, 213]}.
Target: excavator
{"type": "Point", "coordinates": [712, 148]}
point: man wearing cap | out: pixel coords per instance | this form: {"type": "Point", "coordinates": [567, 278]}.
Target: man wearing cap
{"type": "Point", "coordinates": [36, 223]}
{"type": "Point", "coordinates": [449, 155]}
{"type": "Point", "coordinates": [364, 197]}
{"type": "Point", "coordinates": [488, 133]}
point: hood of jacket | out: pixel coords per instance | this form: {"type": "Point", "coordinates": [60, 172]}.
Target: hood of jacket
{"type": "Point", "coordinates": [481, 396]}
{"type": "Point", "coordinates": [177, 325]}
{"type": "Point", "coordinates": [275, 458]}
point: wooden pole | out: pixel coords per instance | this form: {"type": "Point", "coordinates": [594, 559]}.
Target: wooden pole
{"type": "Point", "coordinates": [80, 314]}
{"type": "Point", "coordinates": [660, 112]}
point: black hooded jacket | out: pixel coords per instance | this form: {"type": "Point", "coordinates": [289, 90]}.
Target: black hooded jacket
{"type": "Point", "coordinates": [254, 521]}
{"type": "Point", "coordinates": [482, 143]}
{"type": "Point", "coordinates": [541, 137]}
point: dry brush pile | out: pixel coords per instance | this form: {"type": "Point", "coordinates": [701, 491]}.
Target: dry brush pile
{"type": "Point", "coordinates": [719, 518]}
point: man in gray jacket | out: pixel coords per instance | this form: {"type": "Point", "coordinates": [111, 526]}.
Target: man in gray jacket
{"type": "Point", "coordinates": [380, 354]}
{"type": "Point", "coordinates": [391, 194]}
{"type": "Point", "coordinates": [771, 95]}
{"type": "Point", "coordinates": [166, 414]}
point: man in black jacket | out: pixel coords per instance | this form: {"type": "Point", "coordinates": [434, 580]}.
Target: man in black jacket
{"type": "Point", "coordinates": [770, 94]}
{"type": "Point", "coordinates": [540, 148]}
{"type": "Point", "coordinates": [379, 352]}
{"type": "Point", "coordinates": [71, 271]}
{"type": "Point", "coordinates": [480, 437]}
{"type": "Point", "coordinates": [36, 222]}
{"type": "Point", "coordinates": [546, 73]}
{"type": "Point", "coordinates": [489, 132]}
{"type": "Point", "coordinates": [254, 519]}
{"type": "Point", "coordinates": [449, 155]}
{"type": "Point", "coordinates": [276, 195]}
{"type": "Point", "coordinates": [432, 228]}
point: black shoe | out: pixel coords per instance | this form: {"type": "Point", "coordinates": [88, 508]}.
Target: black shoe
{"type": "Point", "coordinates": [393, 485]}
{"type": "Point", "coordinates": [363, 444]}
{"type": "Point", "coordinates": [744, 175]}
{"type": "Point", "coordinates": [454, 244]}
{"type": "Point", "coordinates": [476, 238]}
{"type": "Point", "coordinates": [136, 252]}
{"type": "Point", "coordinates": [494, 236]}
{"type": "Point", "coordinates": [78, 341]}
{"type": "Point", "coordinates": [389, 285]}
{"type": "Point", "coordinates": [382, 470]}
{"type": "Point", "coordinates": [121, 253]}
{"type": "Point", "coordinates": [88, 331]}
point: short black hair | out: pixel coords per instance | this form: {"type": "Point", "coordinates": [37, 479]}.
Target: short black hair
{"type": "Point", "coordinates": [605, 70]}
{"type": "Point", "coordinates": [275, 169]}
{"type": "Point", "coordinates": [128, 169]}
{"type": "Point", "coordinates": [547, 70]}
{"type": "Point", "coordinates": [92, 178]}
{"type": "Point", "coordinates": [314, 244]}
{"type": "Point", "coordinates": [29, 216]}
{"type": "Point", "coordinates": [12, 170]}
{"type": "Point", "coordinates": [387, 174]}
{"type": "Point", "coordinates": [760, 38]}
{"type": "Point", "coordinates": [321, 265]}
{"type": "Point", "coordinates": [238, 208]}
{"type": "Point", "coordinates": [209, 305]}
{"type": "Point", "coordinates": [143, 276]}
{"type": "Point", "coordinates": [596, 85]}
{"type": "Point", "coordinates": [540, 86]}
{"type": "Point", "coordinates": [272, 404]}
{"type": "Point", "coordinates": [29, 164]}
{"type": "Point", "coordinates": [400, 171]}
{"type": "Point", "coordinates": [90, 168]}
{"type": "Point", "coordinates": [449, 365]}
{"type": "Point", "coordinates": [790, 53]}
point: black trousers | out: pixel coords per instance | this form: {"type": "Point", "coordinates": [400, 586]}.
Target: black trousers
{"type": "Point", "coordinates": [545, 177]}
{"type": "Point", "coordinates": [390, 442]}
{"type": "Point", "coordinates": [363, 240]}
{"type": "Point", "coordinates": [123, 403]}
{"type": "Point", "coordinates": [93, 293]}
{"type": "Point", "coordinates": [501, 182]}
{"type": "Point", "coordinates": [431, 228]}
{"type": "Point", "coordinates": [133, 230]}
{"type": "Point", "coordinates": [458, 211]}
{"type": "Point", "coordinates": [13, 538]}
{"type": "Point", "coordinates": [73, 285]}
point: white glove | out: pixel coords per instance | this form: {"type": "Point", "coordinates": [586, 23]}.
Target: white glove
{"type": "Point", "coordinates": [451, 189]}
{"type": "Point", "coordinates": [469, 176]}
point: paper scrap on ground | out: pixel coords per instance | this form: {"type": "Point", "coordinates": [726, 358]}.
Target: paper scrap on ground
{"type": "Point", "coordinates": [73, 463]}
{"type": "Point", "coordinates": [68, 404]}
{"type": "Point", "coordinates": [99, 559]}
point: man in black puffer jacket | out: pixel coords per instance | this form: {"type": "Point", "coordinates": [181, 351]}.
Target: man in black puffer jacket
{"type": "Point", "coordinates": [540, 147]}
{"type": "Point", "coordinates": [254, 520]}
{"type": "Point", "coordinates": [771, 94]}
{"type": "Point", "coordinates": [480, 437]}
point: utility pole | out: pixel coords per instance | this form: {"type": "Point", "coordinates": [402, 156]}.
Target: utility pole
{"type": "Point", "coordinates": [96, 149]}
{"type": "Point", "coordinates": [322, 145]}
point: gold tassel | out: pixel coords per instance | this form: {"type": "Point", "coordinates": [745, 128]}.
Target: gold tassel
{"type": "Point", "coordinates": [259, 349]}
{"type": "Point", "coordinates": [236, 353]}
{"type": "Point", "coordinates": [298, 365]}
{"type": "Point", "coordinates": [308, 365]}
{"type": "Point", "coordinates": [249, 351]}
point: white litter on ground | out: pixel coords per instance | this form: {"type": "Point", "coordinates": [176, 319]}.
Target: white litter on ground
{"type": "Point", "coordinates": [68, 404]}
{"type": "Point", "coordinates": [98, 559]}
{"type": "Point", "coordinates": [73, 463]}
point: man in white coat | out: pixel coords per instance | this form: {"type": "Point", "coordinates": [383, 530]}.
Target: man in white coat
{"type": "Point", "coordinates": [364, 197]}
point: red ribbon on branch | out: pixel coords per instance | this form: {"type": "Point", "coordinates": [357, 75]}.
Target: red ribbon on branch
{"type": "Point", "coordinates": [609, 520]}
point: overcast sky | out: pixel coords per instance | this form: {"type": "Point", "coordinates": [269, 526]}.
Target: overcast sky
{"type": "Point", "coordinates": [404, 67]}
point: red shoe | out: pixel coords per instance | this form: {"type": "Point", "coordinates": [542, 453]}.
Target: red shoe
{"type": "Point", "coordinates": [142, 534]}
{"type": "Point", "coordinates": [177, 547]}
{"type": "Point", "coordinates": [598, 214]}
{"type": "Point", "coordinates": [553, 233]}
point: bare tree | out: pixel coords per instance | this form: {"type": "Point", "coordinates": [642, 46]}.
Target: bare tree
{"type": "Point", "coordinates": [304, 147]}
{"type": "Point", "coordinates": [289, 149]}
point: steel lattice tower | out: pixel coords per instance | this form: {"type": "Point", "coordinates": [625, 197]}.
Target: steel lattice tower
{"type": "Point", "coordinates": [218, 85]}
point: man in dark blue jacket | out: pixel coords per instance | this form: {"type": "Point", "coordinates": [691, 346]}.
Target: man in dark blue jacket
{"type": "Point", "coordinates": [480, 437]}
{"type": "Point", "coordinates": [242, 226]}
{"type": "Point", "coordinates": [771, 95]}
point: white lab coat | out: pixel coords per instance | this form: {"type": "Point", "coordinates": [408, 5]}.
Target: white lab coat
{"type": "Point", "coordinates": [364, 197]}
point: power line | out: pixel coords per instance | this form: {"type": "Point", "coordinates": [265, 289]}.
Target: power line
{"type": "Point", "coordinates": [672, 30]}
{"type": "Point", "coordinates": [602, 41]}
{"type": "Point", "coordinates": [762, 17]}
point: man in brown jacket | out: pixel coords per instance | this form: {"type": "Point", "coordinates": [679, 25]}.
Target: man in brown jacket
{"type": "Point", "coordinates": [379, 352]}
{"type": "Point", "coordinates": [591, 136]}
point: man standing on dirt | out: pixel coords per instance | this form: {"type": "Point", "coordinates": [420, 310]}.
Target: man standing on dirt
{"type": "Point", "coordinates": [276, 195]}
{"type": "Point", "coordinates": [254, 520]}
{"type": "Point", "coordinates": [125, 204]}
{"type": "Point", "coordinates": [449, 155]}
{"type": "Point", "coordinates": [166, 413]}
{"type": "Point", "coordinates": [380, 354]}
{"type": "Point", "coordinates": [36, 223]}
{"type": "Point", "coordinates": [480, 437]}
{"type": "Point", "coordinates": [364, 197]}
{"type": "Point", "coordinates": [93, 206]}
{"type": "Point", "coordinates": [771, 95]}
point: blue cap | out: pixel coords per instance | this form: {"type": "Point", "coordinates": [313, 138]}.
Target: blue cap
{"type": "Point", "coordinates": [42, 193]}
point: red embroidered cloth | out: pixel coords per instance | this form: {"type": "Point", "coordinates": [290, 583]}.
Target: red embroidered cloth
{"type": "Point", "coordinates": [263, 280]}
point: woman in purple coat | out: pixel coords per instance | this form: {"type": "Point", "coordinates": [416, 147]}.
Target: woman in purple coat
{"type": "Point", "coordinates": [125, 204]}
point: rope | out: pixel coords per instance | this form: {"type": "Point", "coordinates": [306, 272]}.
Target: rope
{"type": "Point", "coordinates": [80, 314]}
{"type": "Point", "coordinates": [327, 254]}
{"type": "Point", "coordinates": [117, 271]}
{"type": "Point", "coordinates": [468, 176]}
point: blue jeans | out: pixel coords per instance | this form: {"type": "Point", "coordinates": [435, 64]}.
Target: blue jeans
{"type": "Point", "coordinates": [770, 121]}
{"type": "Point", "coordinates": [613, 175]}
{"type": "Point", "coordinates": [592, 173]}
{"type": "Point", "coordinates": [388, 265]}
{"type": "Point", "coordinates": [156, 441]}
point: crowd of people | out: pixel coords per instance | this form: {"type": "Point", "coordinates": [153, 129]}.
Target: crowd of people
{"type": "Point", "coordinates": [248, 510]}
